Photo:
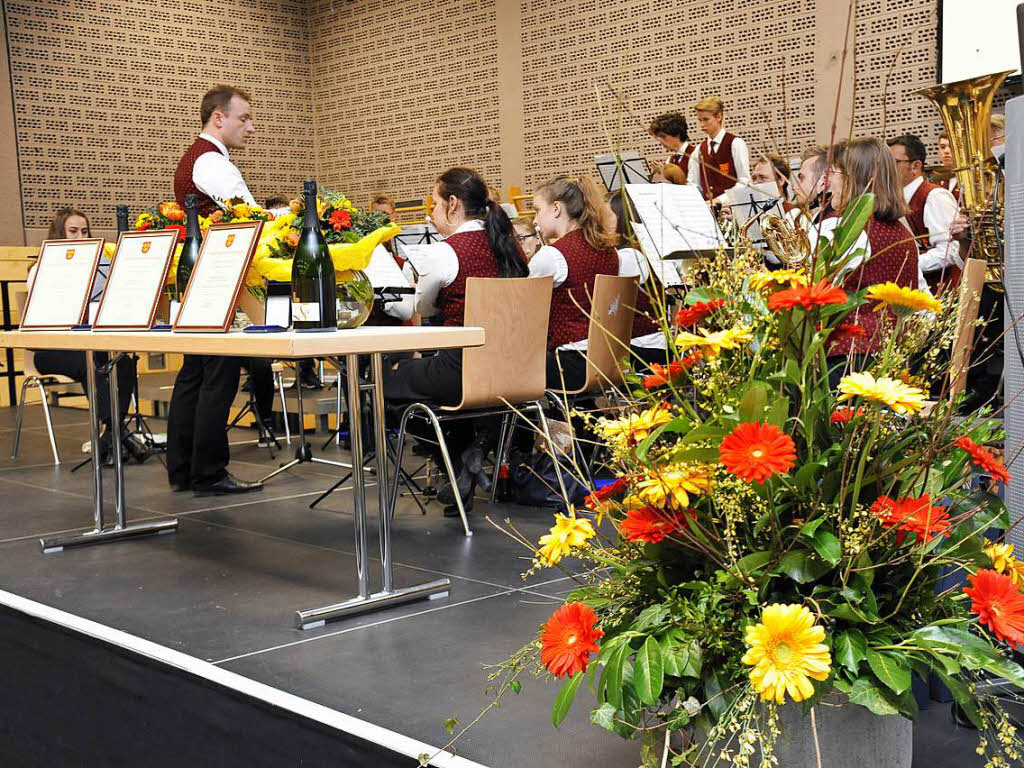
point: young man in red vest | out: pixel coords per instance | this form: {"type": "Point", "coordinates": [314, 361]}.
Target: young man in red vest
{"type": "Point", "coordinates": [671, 132]}
{"type": "Point", "coordinates": [932, 210]}
{"type": "Point", "coordinates": [197, 441]}
{"type": "Point", "coordinates": [722, 160]}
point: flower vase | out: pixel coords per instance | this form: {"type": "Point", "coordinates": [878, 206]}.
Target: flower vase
{"type": "Point", "coordinates": [355, 297]}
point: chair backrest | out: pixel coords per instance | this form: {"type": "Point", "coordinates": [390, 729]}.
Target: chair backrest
{"type": "Point", "coordinates": [510, 366]}
{"type": "Point", "coordinates": [28, 363]}
{"type": "Point", "coordinates": [611, 326]}
{"type": "Point", "coordinates": [972, 282]}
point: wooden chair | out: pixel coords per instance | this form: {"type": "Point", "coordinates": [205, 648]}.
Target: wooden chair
{"type": "Point", "coordinates": [505, 376]}
{"type": "Point", "coordinates": [45, 383]}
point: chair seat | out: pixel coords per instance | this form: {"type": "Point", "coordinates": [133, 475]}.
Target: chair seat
{"type": "Point", "coordinates": [57, 382]}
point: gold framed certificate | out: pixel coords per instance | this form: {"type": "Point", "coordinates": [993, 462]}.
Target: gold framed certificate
{"type": "Point", "coordinates": [137, 276]}
{"type": "Point", "coordinates": [218, 277]}
{"type": "Point", "coordinates": [64, 275]}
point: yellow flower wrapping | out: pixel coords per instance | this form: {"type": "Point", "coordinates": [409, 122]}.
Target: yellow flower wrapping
{"type": "Point", "coordinates": [346, 256]}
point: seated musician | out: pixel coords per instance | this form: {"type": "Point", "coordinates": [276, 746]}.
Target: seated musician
{"type": "Point", "coordinates": [573, 217]}
{"type": "Point", "coordinates": [527, 236]}
{"type": "Point", "coordinates": [946, 160]}
{"type": "Point", "coordinates": [671, 131]}
{"type": "Point", "coordinates": [668, 174]}
{"type": "Point", "coordinates": [72, 224]}
{"type": "Point", "coordinates": [479, 242]}
{"type": "Point", "coordinates": [809, 183]}
{"type": "Point", "coordinates": [931, 214]}
{"type": "Point", "coordinates": [722, 159]}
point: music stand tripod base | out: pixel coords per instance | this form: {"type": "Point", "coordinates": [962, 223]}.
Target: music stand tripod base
{"type": "Point", "coordinates": [316, 617]}
{"type": "Point", "coordinates": [59, 543]}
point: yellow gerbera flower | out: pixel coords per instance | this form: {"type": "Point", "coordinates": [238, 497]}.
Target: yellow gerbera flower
{"type": "Point", "coordinates": [786, 650]}
{"type": "Point", "coordinates": [633, 428]}
{"type": "Point", "coordinates": [898, 396]}
{"type": "Point", "coordinates": [569, 532]}
{"type": "Point", "coordinates": [1004, 562]}
{"type": "Point", "coordinates": [713, 342]}
{"type": "Point", "coordinates": [902, 300]}
{"type": "Point", "coordinates": [792, 277]}
{"type": "Point", "coordinates": [672, 485]}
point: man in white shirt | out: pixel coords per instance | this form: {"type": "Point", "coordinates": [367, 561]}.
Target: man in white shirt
{"type": "Point", "coordinates": [722, 160]}
{"type": "Point", "coordinates": [932, 211]}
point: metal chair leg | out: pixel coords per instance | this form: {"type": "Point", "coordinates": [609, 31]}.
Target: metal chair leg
{"type": "Point", "coordinates": [279, 376]}
{"type": "Point", "coordinates": [337, 410]}
{"type": "Point", "coordinates": [505, 436]}
{"type": "Point", "coordinates": [21, 416]}
{"type": "Point", "coordinates": [49, 421]}
{"type": "Point", "coordinates": [551, 447]}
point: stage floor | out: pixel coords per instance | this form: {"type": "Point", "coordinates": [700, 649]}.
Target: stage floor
{"type": "Point", "coordinates": [225, 587]}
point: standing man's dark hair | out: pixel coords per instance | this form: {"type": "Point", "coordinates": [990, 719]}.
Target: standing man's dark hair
{"type": "Point", "coordinates": [913, 146]}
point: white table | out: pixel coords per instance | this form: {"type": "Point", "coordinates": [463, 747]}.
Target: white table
{"type": "Point", "coordinates": [348, 345]}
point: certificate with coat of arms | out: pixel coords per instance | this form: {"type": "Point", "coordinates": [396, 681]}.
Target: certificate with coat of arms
{"type": "Point", "coordinates": [61, 283]}
{"type": "Point", "coordinates": [138, 273]}
{"type": "Point", "coordinates": [218, 277]}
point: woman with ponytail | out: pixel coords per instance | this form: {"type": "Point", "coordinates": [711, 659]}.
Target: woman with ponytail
{"type": "Point", "coordinates": [573, 217]}
{"type": "Point", "coordinates": [479, 242]}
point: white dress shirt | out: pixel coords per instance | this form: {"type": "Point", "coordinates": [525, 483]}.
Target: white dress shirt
{"type": "Point", "coordinates": [740, 159]}
{"type": "Point", "coordinates": [826, 229]}
{"type": "Point", "coordinates": [940, 208]}
{"type": "Point", "coordinates": [680, 152]}
{"type": "Point", "coordinates": [217, 176]}
{"type": "Point", "coordinates": [442, 267]}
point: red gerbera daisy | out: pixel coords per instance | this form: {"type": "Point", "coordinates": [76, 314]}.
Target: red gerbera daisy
{"type": "Point", "coordinates": [601, 494]}
{"type": "Point", "coordinates": [340, 219]}
{"type": "Point", "coordinates": [847, 331]}
{"type": "Point", "coordinates": [664, 375]}
{"type": "Point", "coordinates": [757, 451]}
{"type": "Point", "coordinates": [844, 414]}
{"type": "Point", "coordinates": [912, 515]}
{"type": "Point", "coordinates": [810, 296]}
{"type": "Point", "coordinates": [652, 525]}
{"type": "Point", "coordinates": [984, 459]}
{"type": "Point", "coordinates": [999, 605]}
{"type": "Point", "coordinates": [689, 316]}
{"type": "Point", "coordinates": [569, 637]}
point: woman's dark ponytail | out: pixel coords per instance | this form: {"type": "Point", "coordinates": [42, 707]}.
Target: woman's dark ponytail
{"type": "Point", "coordinates": [469, 186]}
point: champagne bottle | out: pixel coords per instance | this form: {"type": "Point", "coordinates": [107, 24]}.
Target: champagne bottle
{"type": "Point", "coordinates": [314, 289]}
{"type": "Point", "coordinates": [190, 248]}
{"type": "Point", "coordinates": [122, 218]}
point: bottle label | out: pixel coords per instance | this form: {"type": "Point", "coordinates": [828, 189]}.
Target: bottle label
{"type": "Point", "coordinates": [308, 311]}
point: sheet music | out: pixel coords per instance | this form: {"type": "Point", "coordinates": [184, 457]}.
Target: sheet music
{"type": "Point", "coordinates": [415, 234]}
{"type": "Point", "coordinates": [666, 271]}
{"type": "Point", "coordinates": [384, 271]}
{"type": "Point", "coordinates": [421, 257]}
{"type": "Point", "coordinates": [750, 203]}
{"type": "Point", "coordinates": [634, 167]}
{"type": "Point", "coordinates": [675, 218]}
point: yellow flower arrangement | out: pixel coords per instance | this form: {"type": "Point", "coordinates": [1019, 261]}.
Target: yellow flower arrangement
{"type": "Point", "coordinates": [794, 278]}
{"type": "Point", "coordinates": [902, 300]}
{"type": "Point", "coordinates": [672, 486]}
{"type": "Point", "coordinates": [1004, 562]}
{"type": "Point", "coordinates": [898, 396]}
{"type": "Point", "coordinates": [787, 652]}
{"type": "Point", "coordinates": [346, 256]}
{"type": "Point", "coordinates": [713, 342]}
{"type": "Point", "coordinates": [569, 532]}
{"type": "Point", "coordinates": [633, 428]}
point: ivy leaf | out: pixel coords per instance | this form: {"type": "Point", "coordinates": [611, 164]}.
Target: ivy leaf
{"type": "Point", "coordinates": [682, 658]}
{"type": "Point", "coordinates": [867, 693]}
{"type": "Point", "coordinates": [565, 698]}
{"type": "Point", "coordinates": [851, 649]}
{"type": "Point", "coordinates": [892, 669]}
{"type": "Point", "coordinates": [604, 717]}
{"type": "Point", "coordinates": [451, 724]}
{"type": "Point", "coordinates": [649, 672]}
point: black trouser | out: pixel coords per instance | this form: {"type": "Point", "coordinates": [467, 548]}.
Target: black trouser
{"type": "Point", "coordinates": [72, 364]}
{"type": "Point", "coordinates": [648, 355]}
{"type": "Point", "coordinates": [261, 384]}
{"type": "Point", "coordinates": [569, 365]}
{"type": "Point", "coordinates": [197, 440]}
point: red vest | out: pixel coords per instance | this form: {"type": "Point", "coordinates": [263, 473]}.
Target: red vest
{"type": "Point", "coordinates": [893, 259]}
{"type": "Point", "coordinates": [183, 184]}
{"type": "Point", "coordinates": [569, 322]}
{"type": "Point", "coordinates": [717, 170]}
{"type": "Point", "coordinates": [939, 279]}
{"type": "Point", "coordinates": [682, 161]}
{"type": "Point", "coordinates": [475, 260]}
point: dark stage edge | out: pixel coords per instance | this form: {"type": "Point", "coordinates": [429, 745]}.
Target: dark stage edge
{"type": "Point", "coordinates": [222, 592]}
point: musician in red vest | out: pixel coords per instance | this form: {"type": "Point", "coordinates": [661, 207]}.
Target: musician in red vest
{"type": "Point", "coordinates": [946, 159]}
{"type": "Point", "coordinates": [671, 132]}
{"type": "Point", "coordinates": [205, 387]}
{"type": "Point", "coordinates": [931, 214]}
{"type": "Point", "coordinates": [722, 159]}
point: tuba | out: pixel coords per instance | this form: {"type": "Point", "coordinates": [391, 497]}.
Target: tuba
{"type": "Point", "coordinates": [965, 107]}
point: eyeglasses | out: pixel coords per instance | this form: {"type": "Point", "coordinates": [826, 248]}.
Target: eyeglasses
{"type": "Point", "coordinates": [903, 161]}
{"type": "Point", "coordinates": [527, 237]}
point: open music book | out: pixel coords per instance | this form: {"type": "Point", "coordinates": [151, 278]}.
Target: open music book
{"type": "Point", "coordinates": [383, 271]}
{"type": "Point", "coordinates": [675, 220]}
{"type": "Point", "coordinates": [751, 203]}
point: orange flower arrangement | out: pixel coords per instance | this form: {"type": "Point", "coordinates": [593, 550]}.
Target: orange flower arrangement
{"type": "Point", "coordinates": [619, 485]}
{"type": "Point", "coordinates": [663, 375]}
{"type": "Point", "coordinates": [693, 314]}
{"type": "Point", "coordinates": [652, 525]}
{"type": "Point", "coordinates": [755, 452]}
{"type": "Point", "coordinates": [811, 296]}
{"type": "Point", "coordinates": [844, 414]}
{"type": "Point", "coordinates": [340, 219]}
{"type": "Point", "coordinates": [912, 515]}
{"type": "Point", "coordinates": [569, 637]}
{"type": "Point", "coordinates": [999, 605]}
{"type": "Point", "coordinates": [172, 211]}
{"type": "Point", "coordinates": [984, 459]}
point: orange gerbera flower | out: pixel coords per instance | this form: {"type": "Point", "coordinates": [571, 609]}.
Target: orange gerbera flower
{"type": "Point", "coordinates": [614, 488]}
{"type": "Point", "coordinates": [910, 515]}
{"type": "Point", "coordinates": [757, 451]}
{"type": "Point", "coordinates": [569, 637]}
{"type": "Point", "coordinates": [847, 331]}
{"type": "Point", "coordinates": [663, 375]}
{"type": "Point", "coordinates": [810, 296]}
{"type": "Point", "coordinates": [984, 459]}
{"type": "Point", "coordinates": [693, 314]}
{"type": "Point", "coordinates": [652, 525]}
{"type": "Point", "coordinates": [999, 605]}
{"type": "Point", "coordinates": [844, 414]}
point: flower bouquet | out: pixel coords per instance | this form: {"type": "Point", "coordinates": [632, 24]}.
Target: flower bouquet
{"type": "Point", "coordinates": [784, 525]}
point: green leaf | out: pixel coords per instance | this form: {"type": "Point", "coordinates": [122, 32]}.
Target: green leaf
{"type": "Point", "coordinates": [604, 716]}
{"type": "Point", "coordinates": [451, 724]}
{"type": "Point", "coordinates": [752, 405]}
{"type": "Point", "coordinates": [515, 686]}
{"type": "Point", "coordinates": [891, 668]}
{"type": "Point", "coordinates": [681, 657]}
{"type": "Point", "coordinates": [649, 672]}
{"type": "Point", "coordinates": [809, 528]}
{"type": "Point", "coordinates": [802, 567]}
{"type": "Point", "coordinates": [778, 412]}
{"type": "Point", "coordinates": [565, 698]}
{"type": "Point", "coordinates": [963, 696]}
{"type": "Point", "coordinates": [650, 616]}
{"type": "Point", "coordinates": [827, 546]}
{"type": "Point", "coordinates": [855, 218]}
{"type": "Point", "coordinates": [715, 699]}
{"type": "Point", "coordinates": [851, 649]}
{"type": "Point", "coordinates": [612, 677]}
{"type": "Point", "coordinates": [754, 561]}
{"type": "Point", "coordinates": [807, 477]}
{"type": "Point", "coordinates": [951, 638]}
{"type": "Point", "coordinates": [868, 694]}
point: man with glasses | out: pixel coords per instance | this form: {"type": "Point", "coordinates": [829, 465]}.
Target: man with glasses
{"type": "Point", "coordinates": [931, 215]}
{"type": "Point", "coordinates": [526, 234]}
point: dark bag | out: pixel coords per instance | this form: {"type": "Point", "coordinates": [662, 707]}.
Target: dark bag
{"type": "Point", "coordinates": [536, 484]}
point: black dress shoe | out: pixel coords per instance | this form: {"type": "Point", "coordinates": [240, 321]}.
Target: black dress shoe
{"type": "Point", "coordinates": [452, 510]}
{"type": "Point", "coordinates": [181, 487]}
{"type": "Point", "coordinates": [227, 484]}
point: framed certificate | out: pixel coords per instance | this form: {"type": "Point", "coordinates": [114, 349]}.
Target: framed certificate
{"type": "Point", "coordinates": [62, 284]}
{"type": "Point", "coordinates": [218, 277]}
{"type": "Point", "coordinates": [136, 279]}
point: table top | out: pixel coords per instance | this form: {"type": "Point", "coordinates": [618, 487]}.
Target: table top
{"type": "Point", "coordinates": [287, 345]}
